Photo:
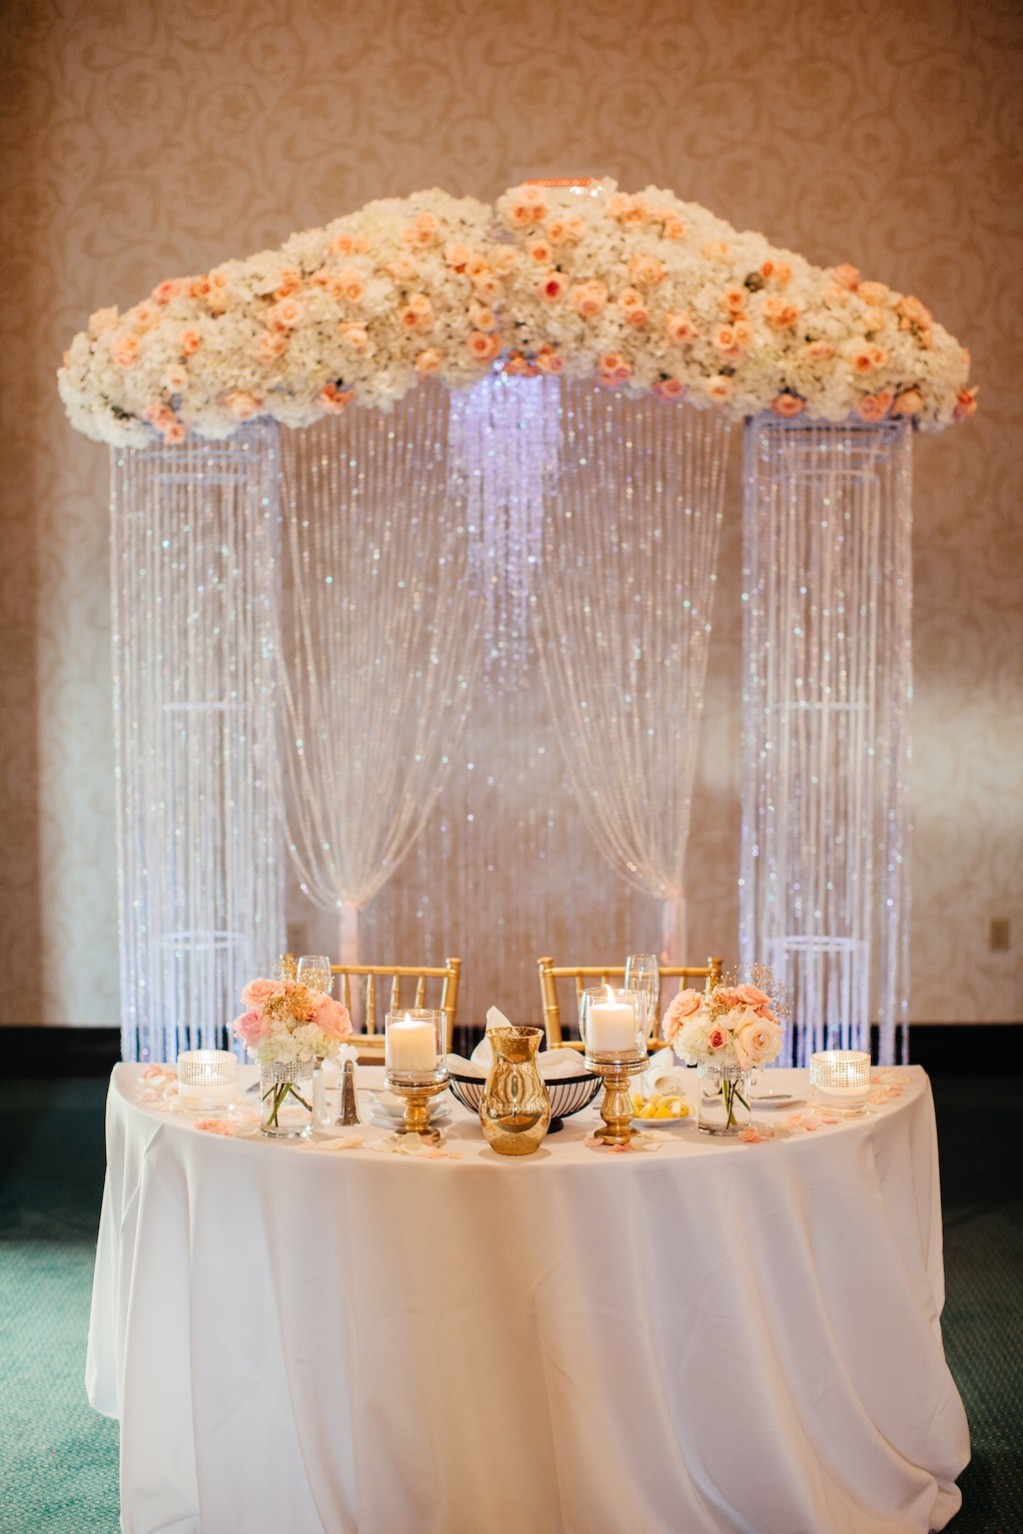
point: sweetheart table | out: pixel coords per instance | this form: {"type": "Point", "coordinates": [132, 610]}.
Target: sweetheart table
{"type": "Point", "coordinates": [705, 1337]}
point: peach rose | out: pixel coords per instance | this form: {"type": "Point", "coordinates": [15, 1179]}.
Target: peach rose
{"type": "Point", "coordinates": [290, 282]}
{"type": "Point", "coordinates": [483, 347]}
{"type": "Point", "coordinates": [548, 361]}
{"type": "Point", "coordinates": [352, 285]}
{"type": "Point", "coordinates": [457, 255]}
{"type": "Point", "coordinates": [589, 298]}
{"type": "Point", "coordinates": [173, 433]}
{"type": "Point", "coordinates": [820, 351]}
{"type": "Point", "coordinates": [355, 338]}
{"type": "Point", "coordinates": [273, 344]}
{"type": "Point", "coordinates": [780, 316]}
{"type": "Point", "coordinates": [618, 204]}
{"type": "Point", "coordinates": [909, 402]}
{"type": "Point", "coordinates": [717, 1037]}
{"type": "Point", "coordinates": [333, 400]}
{"type": "Point", "coordinates": [669, 388]}
{"type": "Point", "coordinates": [614, 368]}
{"type": "Point", "coordinates": [165, 291]}
{"type": "Point", "coordinates": [487, 288]}
{"type": "Point", "coordinates": [519, 366]}
{"type": "Point", "coordinates": [735, 298]}
{"type": "Point", "coordinates": [629, 298]}
{"type": "Point", "coordinates": [742, 333]}
{"type": "Point", "coordinates": [861, 356]}
{"type": "Point", "coordinates": [189, 343]}
{"type": "Point", "coordinates": [125, 350]}
{"type": "Point", "coordinates": [143, 318]}
{"type": "Point", "coordinates": [719, 388]}
{"type": "Point", "coordinates": [788, 405]}
{"type": "Point", "coordinates": [753, 996]}
{"type": "Point", "coordinates": [198, 287]}
{"type": "Point", "coordinates": [429, 361]}
{"type": "Point", "coordinates": [541, 251]}
{"type": "Point", "coordinates": [258, 992]}
{"type": "Point", "coordinates": [638, 316]}
{"type": "Point", "coordinates": [243, 407]}
{"type": "Point", "coordinates": [646, 271]}
{"type": "Point", "coordinates": [724, 338]}
{"type": "Point", "coordinates": [285, 315]}
{"type": "Point", "coordinates": [874, 407]}
{"type": "Point", "coordinates": [679, 327]}
{"type": "Point", "coordinates": [877, 293]}
{"type": "Point", "coordinates": [846, 276]}
{"type": "Point", "coordinates": [675, 229]}
{"type": "Point", "coordinates": [558, 232]}
{"type": "Point", "coordinates": [718, 250]}
{"type": "Point", "coordinates": [481, 317]}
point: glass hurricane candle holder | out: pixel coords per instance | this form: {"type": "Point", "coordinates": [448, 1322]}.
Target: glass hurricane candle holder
{"type": "Point", "coordinates": [207, 1080]}
{"type": "Point", "coordinates": [840, 1081]}
{"type": "Point", "coordinates": [416, 1065]}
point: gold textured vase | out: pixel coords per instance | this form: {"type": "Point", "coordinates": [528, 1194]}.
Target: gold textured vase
{"type": "Point", "coordinates": [515, 1111]}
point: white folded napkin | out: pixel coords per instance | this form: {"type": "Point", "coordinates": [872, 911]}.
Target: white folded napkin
{"type": "Point", "coordinates": [552, 1063]}
{"type": "Point", "coordinates": [663, 1075]}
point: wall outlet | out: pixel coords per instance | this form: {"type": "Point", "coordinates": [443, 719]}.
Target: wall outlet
{"type": "Point", "coordinates": [998, 938]}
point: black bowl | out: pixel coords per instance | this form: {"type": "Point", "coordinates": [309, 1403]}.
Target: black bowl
{"type": "Point", "coordinates": [568, 1094]}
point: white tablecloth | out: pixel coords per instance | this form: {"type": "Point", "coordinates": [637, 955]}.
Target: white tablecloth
{"type": "Point", "coordinates": [708, 1337]}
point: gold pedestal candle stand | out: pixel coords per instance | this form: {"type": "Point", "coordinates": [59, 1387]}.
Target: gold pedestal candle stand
{"type": "Point", "coordinates": [616, 1108]}
{"type": "Point", "coordinates": [417, 1095]}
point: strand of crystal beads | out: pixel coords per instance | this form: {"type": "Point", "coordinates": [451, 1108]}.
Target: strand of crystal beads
{"type": "Point", "coordinates": [380, 638]}
{"type": "Point", "coordinates": [630, 559]}
{"type": "Point", "coordinates": [503, 439]}
{"type": "Point", "coordinates": [194, 568]}
{"type": "Point", "coordinates": [824, 886]}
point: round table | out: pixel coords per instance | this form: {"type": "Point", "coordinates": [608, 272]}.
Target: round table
{"type": "Point", "coordinates": [706, 1337]}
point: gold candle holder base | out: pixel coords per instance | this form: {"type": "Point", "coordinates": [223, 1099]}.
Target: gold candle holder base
{"type": "Point", "coordinates": [616, 1108]}
{"type": "Point", "coordinates": [417, 1095]}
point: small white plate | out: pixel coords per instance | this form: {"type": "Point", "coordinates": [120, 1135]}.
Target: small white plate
{"type": "Point", "coordinates": [776, 1099]}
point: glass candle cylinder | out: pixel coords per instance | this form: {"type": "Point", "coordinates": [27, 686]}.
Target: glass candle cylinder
{"type": "Point", "coordinates": [207, 1079]}
{"type": "Point", "coordinates": [414, 1046]}
{"type": "Point", "coordinates": [613, 1024]}
{"type": "Point", "coordinates": [840, 1081]}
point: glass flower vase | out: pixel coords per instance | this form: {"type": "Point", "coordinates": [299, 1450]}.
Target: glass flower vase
{"type": "Point", "coordinates": [724, 1099]}
{"type": "Point", "coordinates": [286, 1094]}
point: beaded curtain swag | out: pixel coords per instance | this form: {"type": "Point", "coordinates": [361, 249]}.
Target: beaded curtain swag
{"type": "Point", "coordinates": [638, 295]}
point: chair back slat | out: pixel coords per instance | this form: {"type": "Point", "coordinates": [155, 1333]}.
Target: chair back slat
{"type": "Point", "coordinates": [373, 983]}
{"type": "Point", "coordinates": [586, 975]}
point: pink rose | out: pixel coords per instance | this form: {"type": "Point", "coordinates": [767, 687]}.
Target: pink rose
{"type": "Point", "coordinates": [253, 1027]}
{"type": "Point", "coordinates": [718, 1036]}
{"type": "Point", "coordinates": [684, 1004]}
{"type": "Point", "coordinates": [874, 407]}
{"type": "Point", "coordinates": [753, 996]}
{"type": "Point", "coordinates": [846, 276]}
{"type": "Point", "coordinates": [679, 327]}
{"type": "Point", "coordinates": [669, 388]}
{"type": "Point", "coordinates": [333, 1018]}
{"type": "Point", "coordinates": [258, 992]}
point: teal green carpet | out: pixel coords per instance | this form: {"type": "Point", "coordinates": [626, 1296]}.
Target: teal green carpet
{"type": "Point", "coordinates": [58, 1459]}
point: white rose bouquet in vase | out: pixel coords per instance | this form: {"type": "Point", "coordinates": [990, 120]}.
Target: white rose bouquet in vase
{"type": "Point", "coordinates": [726, 1032]}
{"type": "Point", "coordinates": [289, 1028]}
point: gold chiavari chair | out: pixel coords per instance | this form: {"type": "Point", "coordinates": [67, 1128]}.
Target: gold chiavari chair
{"type": "Point", "coordinates": [370, 991]}
{"type": "Point", "coordinates": [587, 975]}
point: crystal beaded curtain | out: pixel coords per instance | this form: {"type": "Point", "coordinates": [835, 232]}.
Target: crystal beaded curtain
{"type": "Point", "coordinates": [824, 897]}
{"type": "Point", "coordinates": [195, 574]}
{"type": "Point", "coordinates": [381, 637]}
{"type": "Point", "coordinates": [629, 565]}
{"type": "Point", "coordinates": [503, 455]}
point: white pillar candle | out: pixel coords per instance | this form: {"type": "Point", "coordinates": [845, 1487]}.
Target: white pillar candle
{"type": "Point", "coordinates": [610, 1027]}
{"type": "Point", "coordinates": [410, 1047]}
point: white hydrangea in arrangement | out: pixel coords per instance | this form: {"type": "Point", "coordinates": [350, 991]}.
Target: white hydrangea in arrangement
{"type": "Point", "coordinates": [639, 292]}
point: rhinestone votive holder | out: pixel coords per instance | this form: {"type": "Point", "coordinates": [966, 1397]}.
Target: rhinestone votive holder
{"type": "Point", "coordinates": [207, 1080]}
{"type": "Point", "coordinates": [840, 1082]}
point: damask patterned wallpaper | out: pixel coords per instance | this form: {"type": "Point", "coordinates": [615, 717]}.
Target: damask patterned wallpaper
{"type": "Point", "coordinates": [144, 140]}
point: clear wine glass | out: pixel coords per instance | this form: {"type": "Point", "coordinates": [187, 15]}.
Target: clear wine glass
{"type": "Point", "coordinates": [314, 971]}
{"type": "Point", "coordinates": [642, 974]}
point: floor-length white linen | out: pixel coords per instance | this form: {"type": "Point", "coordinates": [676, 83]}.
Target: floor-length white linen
{"type": "Point", "coordinates": [709, 1337]}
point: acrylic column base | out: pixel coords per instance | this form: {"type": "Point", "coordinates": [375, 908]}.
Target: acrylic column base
{"type": "Point", "coordinates": [616, 1108]}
